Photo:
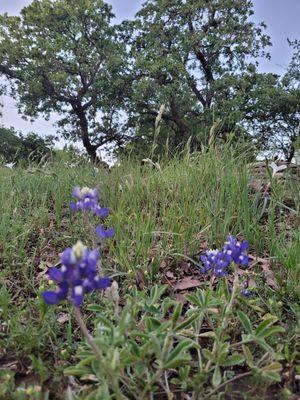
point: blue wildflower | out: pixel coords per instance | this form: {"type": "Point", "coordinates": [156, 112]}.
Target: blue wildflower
{"type": "Point", "coordinates": [246, 292]}
{"type": "Point", "coordinates": [101, 212]}
{"type": "Point", "coordinates": [219, 261]}
{"type": "Point", "coordinates": [216, 261]}
{"type": "Point", "coordinates": [237, 251]}
{"type": "Point", "coordinates": [87, 199]}
{"type": "Point", "coordinates": [76, 277]}
{"type": "Point", "coordinates": [104, 233]}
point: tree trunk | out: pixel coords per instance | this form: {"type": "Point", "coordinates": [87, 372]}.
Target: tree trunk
{"type": "Point", "coordinates": [84, 131]}
{"type": "Point", "coordinates": [290, 154]}
{"type": "Point", "coordinates": [183, 128]}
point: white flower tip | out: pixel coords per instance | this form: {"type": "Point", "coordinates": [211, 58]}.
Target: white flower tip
{"type": "Point", "coordinates": [78, 290]}
{"type": "Point", "coordinates": [85, 190]}
{"type": "Point", "coordinates": [78, 249]}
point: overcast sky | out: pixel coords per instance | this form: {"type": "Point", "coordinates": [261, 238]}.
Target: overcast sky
{"type": "Point", "coordinates": [281, 17]}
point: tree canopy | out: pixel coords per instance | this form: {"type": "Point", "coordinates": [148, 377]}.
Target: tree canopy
{"type": "Point", "coordinates": [65, 57]}
{"type": "Point", "coordinates": [197, 59]}
{"type": "Point", "coordinates": [184, 55]}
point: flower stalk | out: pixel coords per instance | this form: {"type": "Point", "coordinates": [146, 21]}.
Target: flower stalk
{"type": "Point", "coordinates": [97, 352]}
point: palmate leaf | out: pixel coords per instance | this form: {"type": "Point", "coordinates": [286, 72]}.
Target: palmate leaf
{"type": "Point", "coordinates": [151, 323]}
{"type": "Point", "coordinates": [193, 299]}
{"type": "Point", "coordinates": [186, 323]}
{"type": "Point", "coordinates": [208, 354]}
{"type": "Point", "coordinates": [155, 293]}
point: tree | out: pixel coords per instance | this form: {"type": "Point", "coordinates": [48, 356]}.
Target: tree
{"type": "Point", "coordinates": [10, 144]}
{"type": "Point", "coordinates": [15, 147]}
{"type": "Point", "coordinates": [185, 52]}
{"type": "Point", "coordinates": [271, 108]}
{"type": "Point", "coordinates": [64, 56]}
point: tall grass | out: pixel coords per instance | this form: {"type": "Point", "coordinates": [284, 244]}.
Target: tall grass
{"type": "Point", "coordinates": [172, 208]}
{"type": "Point", "coordinates": [158, 211]}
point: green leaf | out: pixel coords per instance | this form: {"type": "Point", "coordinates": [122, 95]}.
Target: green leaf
{"type": "Point", "coordinates": [265, 324]}
{"type": "Point", "coordinates": [178, 362]}
{"type": "Point", "coordinates": [115, 359]}
{"type": "Point", "coordinates": [155, 293]}
{"type": "Point", "coordinates": [208, 354]}
{"type": "Point", "coordinates": [77, 371]}
{"type": "Point", "coordinates": [180, 348]}
{"type": "Point", "coordinates": [176, 313]}
{"type": "Point", "coordinates": [163, 328]}
{"type": "Point", "coordinates": [270, 331]}
{"type": "Point", "coordinates": [248, 355]}
{"type": "Point", "coordinates": [217, 377]}
{"type": "Point", "coordinates": [95, 308]}
{"type": "Point", "coordinates": [245, 321]}
{"type": "Point", "coordinates": [275, 366]}
{"type": "Point", "coordinates": [134, 348]}
{"type": "Point", "coordinates": [104, 321]}
{"type": "Point", "coordinates": [235, 359]}
{"type": "Point", "coordinates": [184, 372]}
{"type": "Point", "coordinates": [274, 376]}
{"type": "Point", "coordinates": [87, 360]}
{"type": "Point", "coordinates": [186, 323]}
{"type": "Point", "coordinates": [193, 298]}
{"type": "Point", "coordinates": [265, 346]}
{"type": "Point", "coordinates": [151, 324]}
{"type": "Point", "coordinates": [156, 345]}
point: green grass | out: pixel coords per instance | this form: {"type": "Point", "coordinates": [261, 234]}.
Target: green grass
{"type": "Point", "coordinates": [158, 213]}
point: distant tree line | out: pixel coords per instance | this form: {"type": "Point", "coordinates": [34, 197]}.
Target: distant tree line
{"type": "Point", "coordinates": [16, 147]}
{"type": "Point", "coordinates": [197, 59]}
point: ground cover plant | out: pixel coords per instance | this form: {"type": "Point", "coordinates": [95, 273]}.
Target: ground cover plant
{"type": "Point", "coordinates": [179, 320]}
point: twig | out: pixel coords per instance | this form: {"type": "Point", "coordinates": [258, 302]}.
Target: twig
{"type": "Point", "coordinates": [87, 334]}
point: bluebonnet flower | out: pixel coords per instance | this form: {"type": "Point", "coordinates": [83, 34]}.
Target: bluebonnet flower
{"type": "Point", "coordinates": [236, 250]}
{"type": "Point", "coordinates": [87, 199]}
{"type": "Point", "coordinates": [215, 261]}
{"type": "Point", "coordinates": [246, 292]}
{"type": "Point", "coordinates": [219, 261]}
{"type": "Point", "coordinates": [76, 277]}
{"type": "Point", "coordinates": [103, 234]}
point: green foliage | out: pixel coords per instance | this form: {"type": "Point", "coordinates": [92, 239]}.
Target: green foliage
{"type": "Point", "coordinates": [150, 345]}
{"type": "Point", "coordinates": [10, 144]}
{"type": "Point", "coordinates": [108, 82]}
{"type": "Point", "coordinates": [17, 148]}
{"type": "Point", "coordinates": [65, 57]}
{"type": "Point", "coordinates": [162, 213]}
{"type": "Point", "coordinates": [189, 56]}
{"type": "Point", "coordinates": [273, 115]}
